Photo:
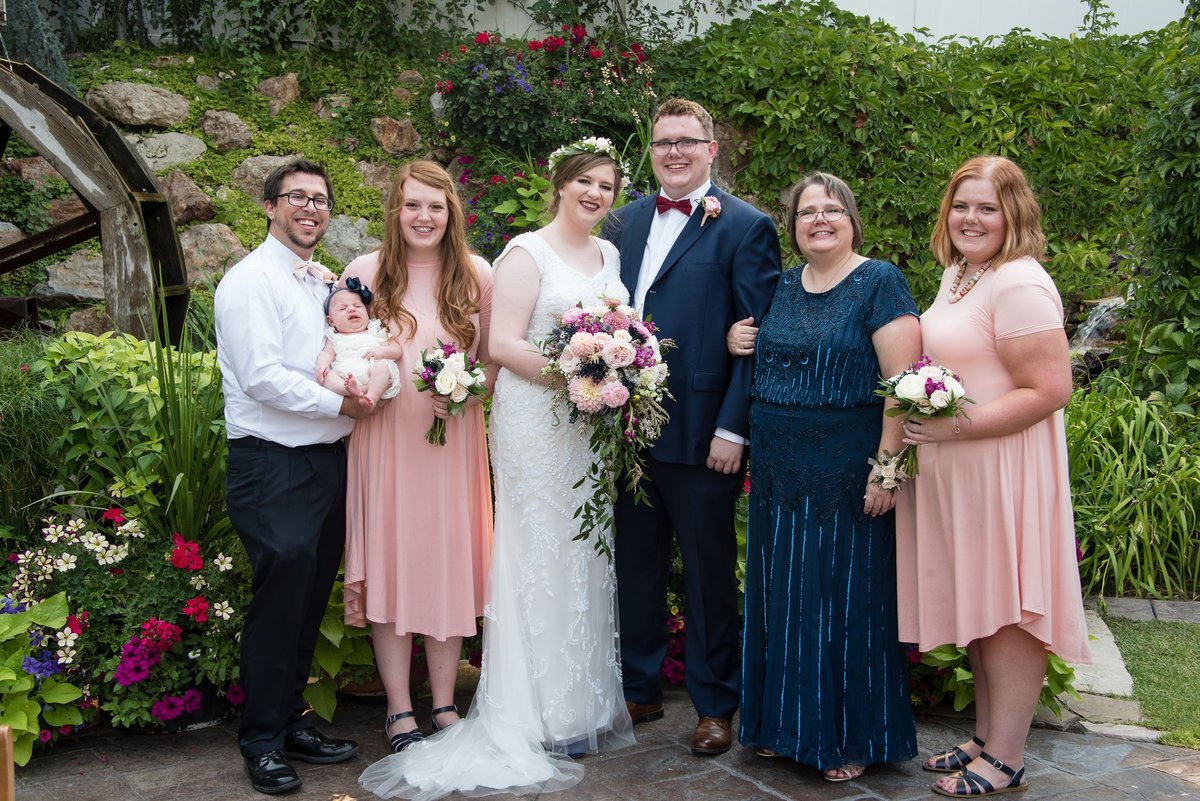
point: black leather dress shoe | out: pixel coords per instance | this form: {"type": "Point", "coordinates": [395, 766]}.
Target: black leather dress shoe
{"type": "Point", "coordinates": [309, 745]}
{"type": "Point", "coordinates": [270, 773]}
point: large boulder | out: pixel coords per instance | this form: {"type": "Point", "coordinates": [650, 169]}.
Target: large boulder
{"type": "Point", "coordinates": [162, 151]}
{"type": "Point", "coordinates": [377, 176]}
{"type": "Point", "coordinates": [251, 174]}
{"type": "Point", "coordinates": [9, 234]}
{"type": "Point", "coordinates": [282, 89]}
{"type": "Point", "coordinates": [139, 104]}
{"type": "Point", "coordinates": [226, 130]}
{"type": "Point", "coordinates": [410, 76]}
{"type": "Point", "coordinates": [188, 201]}
{"type": "Point", "coordinates": [209, 249]}
{"type": "Point", "coordinates": [91, 320]}
{"type": "Point", "coordinates": [397, 137]}
{"type": "Point", "coordinates": [32, 169]}
{"type": "Point", "coordinates": [209, 83]}
{"type": "Point", "coordinates": [79, 279]}
{"type": "Point", "coordinates": [347, 238]}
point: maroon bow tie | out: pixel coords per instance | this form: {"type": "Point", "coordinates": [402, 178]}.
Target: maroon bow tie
{"type": "Point", "coordinates": [662, 204]}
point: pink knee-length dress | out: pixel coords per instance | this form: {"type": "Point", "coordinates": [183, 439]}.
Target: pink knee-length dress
{"type": "Point", "coordinates": [418, 516]}
{"type": "Point", "coordinates": [985, 534]}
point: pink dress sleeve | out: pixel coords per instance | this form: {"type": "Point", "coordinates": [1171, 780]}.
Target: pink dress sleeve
{"type": "Point", "coordinates": [1026, 302]}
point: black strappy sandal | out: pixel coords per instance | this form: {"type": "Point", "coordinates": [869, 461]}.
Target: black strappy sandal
{"type": "Point", "coordinates": [442, 710]}
{"type": "Point", "coordinates": [405, 738]}
{"type": "Point", "coordinates": [969, 784]}
{"type": "Point", "coordinates": [951, 761]}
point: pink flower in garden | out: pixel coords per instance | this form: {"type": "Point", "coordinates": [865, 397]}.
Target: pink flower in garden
{"type": "Point", "coordinates": [483, 39]}
{"type": "Point", "coordinates": [235, 695]}
{"type": "Point", "coordinates": [161, 634]}
{"type": "Point", "coordinates": [65, 730]}
{"type": "Point", "coordinates": [614, 395]}
{"type": "Point", "coordinates": [113, 515]}
{"type": "Point", "coordinates": [168, 708]}
{"type": "Point", "coordinates": [672, 670]}
{"type": "Point", "coordinates": [44, 735]}
{"type": "Point", "coordinates": [196, 608]}
{"type": "Point", "coordinates": [192, 700]}
{"type": "Point", "coordinates": [596, 52]}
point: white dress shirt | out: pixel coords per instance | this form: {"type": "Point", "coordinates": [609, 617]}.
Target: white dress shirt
{"type": "Point", "coordinates": [665, 228]}
{"type": "Point", "coordinates": [270, 328]}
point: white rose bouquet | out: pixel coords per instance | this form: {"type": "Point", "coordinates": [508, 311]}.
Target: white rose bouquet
{"type": "Point", "coordinates": [446, 370]}
{"type": "Point", "coordinates": [606, 366]}
{"type": "Point", "coordinates": [925, 389]}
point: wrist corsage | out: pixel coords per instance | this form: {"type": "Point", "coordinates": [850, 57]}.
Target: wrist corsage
{"type": "Point", "coordinates": [887, 470]}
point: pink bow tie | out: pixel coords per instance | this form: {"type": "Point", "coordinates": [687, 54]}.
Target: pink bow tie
{"type": "Point", "coordinates": [315, 269]}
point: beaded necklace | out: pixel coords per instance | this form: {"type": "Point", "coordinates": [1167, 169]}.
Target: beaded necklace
{"type": "Point", "coordinates": [957, 294]}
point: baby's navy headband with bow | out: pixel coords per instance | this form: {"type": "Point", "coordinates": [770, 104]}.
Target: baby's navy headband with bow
{"type": "Point", "coordinates": [352, 285]}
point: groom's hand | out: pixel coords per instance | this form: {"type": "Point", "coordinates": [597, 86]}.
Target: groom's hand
{"type": "Point", "coordinates": [724, 456]}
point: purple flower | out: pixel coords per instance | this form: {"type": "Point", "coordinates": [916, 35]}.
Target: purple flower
{"type": "Point", "coordinates": [192, 700]}
{"type": "Point", "coordinates": [465, 159]}
{"type": "Point", "coordinates": [41, 666]}
{"type": "Point", "coordinates": [10, 606]}
{"type": "Point", "coordinates": [168, 708]}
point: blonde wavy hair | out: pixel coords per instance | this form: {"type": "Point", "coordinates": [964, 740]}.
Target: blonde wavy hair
{"type": "Point", "coordinates": [458, 291]}
{"type": "Point", "coordinates": [1023, 234]}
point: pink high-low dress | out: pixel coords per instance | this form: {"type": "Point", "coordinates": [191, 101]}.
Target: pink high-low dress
{"type": "Point", "coordinates": [985, 534]}
{"type": "Point", "coordinates": [418, 516]}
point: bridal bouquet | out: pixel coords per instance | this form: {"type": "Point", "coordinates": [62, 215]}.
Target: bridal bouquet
{"type": "Point", "coordinates": [446, 370]}
{"type": "Point", "coordinates": [925, 389]}
{"type": "Point", "coordinates": [606, 366]}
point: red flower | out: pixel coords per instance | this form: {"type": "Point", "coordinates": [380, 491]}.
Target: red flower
{"type": "Point", "coordinates": [186, 554]}
{"type": "Point", "coordinates": [14, 557]}
{"type": "Point", "coordinates": [637, 51]}
{"type": "Point", "coordinates": [462, 48]}
{"type": "Point", "coordinates": [113, 515]}
{"type": "Point", "coordinates": [553, 43]}
{"type": "Point", "coordinates": [535, 44]}
{"type": "Point", "coordinates": [74, 623]}
{"type": "Point", "coordinates": [471, 218]}
{"type": "Point", "coordinates": [24, 368]}
{"type": "Point", "coordinates": [196, 608]}
{"type": "Point", "coordinates": [443, 88]}
{"type": "Point", "coordinates": [498, 179]}
{"type": "Point", "coordinates": [578, 34]}
{"type": "Point", "coordinates": [596, 52]}
{"type": "Point", "coordinates": [115, 571]}
{"type": "Point", "coordinates": [483, 39]}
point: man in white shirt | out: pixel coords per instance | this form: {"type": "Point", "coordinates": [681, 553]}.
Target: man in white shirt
{"type": "Point", "coordinates": [286, 484]}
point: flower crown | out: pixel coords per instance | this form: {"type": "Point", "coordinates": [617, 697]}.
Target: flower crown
{"type": "Point", "coordinates": [593, 144]}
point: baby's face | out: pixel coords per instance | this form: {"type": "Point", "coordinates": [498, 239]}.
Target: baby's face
{"type": "Point", "coordinates": [347, 313]}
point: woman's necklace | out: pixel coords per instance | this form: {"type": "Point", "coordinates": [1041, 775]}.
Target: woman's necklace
{"type": "Point", "coordinates": [957, 294]}
{"type": "Point", "coordinates": [836, 274]}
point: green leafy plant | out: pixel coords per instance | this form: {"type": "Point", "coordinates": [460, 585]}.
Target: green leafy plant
{"type": "Point", "coordinates": [36, 701]}
{"type": "Point", "coordinates": [146, 427]}
{"type": "Point", "coordinates": [1135, 484]}
{"type": "Point", "coordinates": [950, 664]}
{"type": "Point", "coordinates": [157, 618]}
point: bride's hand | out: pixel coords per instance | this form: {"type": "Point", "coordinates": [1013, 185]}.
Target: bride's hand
{"type": "Point", "coordinates": [740, 338]}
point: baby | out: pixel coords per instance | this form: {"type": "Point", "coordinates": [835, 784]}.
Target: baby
{"type": "Point", "coordinates": [358, 360]}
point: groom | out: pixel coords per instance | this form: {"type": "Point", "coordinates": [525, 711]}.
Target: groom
{"type": "Point", "coordinates": [695, 259]}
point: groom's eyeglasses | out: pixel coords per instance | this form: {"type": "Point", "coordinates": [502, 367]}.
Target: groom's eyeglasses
{"type": "Point", "coordinates": [661, 147]}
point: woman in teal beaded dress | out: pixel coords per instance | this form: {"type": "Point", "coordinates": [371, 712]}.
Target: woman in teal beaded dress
{"type": "Point", "coordinates": [824, 677]}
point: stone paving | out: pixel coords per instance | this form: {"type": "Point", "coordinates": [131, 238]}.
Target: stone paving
{"type": "Point", "coordinates": [1068, 758]}
{"type": "Point", "coordinates": [204, 765]}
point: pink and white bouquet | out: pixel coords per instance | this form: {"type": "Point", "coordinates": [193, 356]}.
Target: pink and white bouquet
{"type": "Point", "coordinates": [606, 365]}
{"type": "Point", "coordinates": [453, 373]}
{"type": "Point", "coordinates": [925, 389]}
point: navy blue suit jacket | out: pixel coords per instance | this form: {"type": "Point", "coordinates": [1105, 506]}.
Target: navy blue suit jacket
{"type": "Point", "coordinates": [714, 275]}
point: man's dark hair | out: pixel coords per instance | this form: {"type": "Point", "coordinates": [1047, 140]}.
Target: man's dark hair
{"type": "Point", "coordinates": [275, 179]}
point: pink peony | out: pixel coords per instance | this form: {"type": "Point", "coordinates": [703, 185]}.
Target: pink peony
{"type": "Point", "coordinates": [584, 344]}
{"type": "Point", "coordinates": [614, 395]}
{"type": "Point", "coordinates": [573, 316]}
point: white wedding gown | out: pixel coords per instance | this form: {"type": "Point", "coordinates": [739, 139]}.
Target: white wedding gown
{"type": "Point", "coordinates": [551, 679]}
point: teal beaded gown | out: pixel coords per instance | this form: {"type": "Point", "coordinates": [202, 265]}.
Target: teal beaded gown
{"type": "Point", "coordinates": [824, 677]}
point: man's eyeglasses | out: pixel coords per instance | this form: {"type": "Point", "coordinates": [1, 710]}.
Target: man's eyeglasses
{"type": "Point", "coordinates": [829, 215]}
{"type": "Point", "coordinates": [300, 200]}
{"type": "Point", "coordinates": [661, 147]}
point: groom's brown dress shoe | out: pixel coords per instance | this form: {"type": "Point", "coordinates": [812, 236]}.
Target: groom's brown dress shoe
{"type": "Point", "coordinates": [644, 712]}
{"type": "Point", "coordinates": [713, 736]}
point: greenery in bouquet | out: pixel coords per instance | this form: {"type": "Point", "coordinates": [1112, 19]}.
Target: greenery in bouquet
{"type": "Point", "coordinates": [157, 621]}
{"type": "Point", "coordinates": [534, 95]}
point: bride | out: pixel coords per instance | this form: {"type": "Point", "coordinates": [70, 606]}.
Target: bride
{"type": "Point", "coordinates": [550, 688]}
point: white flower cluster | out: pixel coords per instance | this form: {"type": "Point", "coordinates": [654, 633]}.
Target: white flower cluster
{"type": "Point", "coordinates": [454, 379]}
{"type": "Point", "coordinates": [931, 388]}
{"type": "Point", "coordinates": [592, 144]}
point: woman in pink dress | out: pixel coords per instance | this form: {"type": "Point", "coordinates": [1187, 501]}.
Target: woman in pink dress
{"type": "Point", "coordinates": [419, 516]}
{"type": "Point", "coordinates": [985, 535]}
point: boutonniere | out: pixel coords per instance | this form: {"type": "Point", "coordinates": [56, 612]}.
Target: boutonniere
{"type": "Point", "coordinates": [712, 209]}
